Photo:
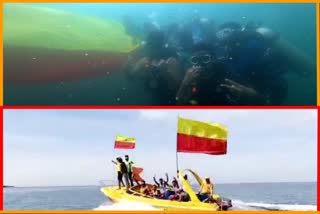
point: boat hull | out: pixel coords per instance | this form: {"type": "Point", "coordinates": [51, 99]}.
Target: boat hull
{"type": "Point", "coordinates": [116, 195]}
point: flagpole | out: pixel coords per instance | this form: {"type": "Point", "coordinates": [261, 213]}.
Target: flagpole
{"type": "Point", "coordinates": [177, 160]}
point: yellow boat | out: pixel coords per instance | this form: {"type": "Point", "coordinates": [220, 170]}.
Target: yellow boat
{"type": "Point", "coordinates": [115, 194]}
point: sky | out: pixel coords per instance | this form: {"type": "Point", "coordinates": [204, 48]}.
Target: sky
{"type": "Point", "coordinates": [75, 147]}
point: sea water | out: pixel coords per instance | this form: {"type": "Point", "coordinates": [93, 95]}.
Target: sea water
{"type": "Point", "coordinates": [249, 196]}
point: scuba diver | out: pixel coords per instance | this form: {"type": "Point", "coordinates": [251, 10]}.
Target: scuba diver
{"type": "Point", "coordinates": [200, 85]}
{"type": "Point", "coordinates": [203, 29]}
{"type": "Point", "coordinates": [257, 60]}
{"type": "Point", "coordinates": [197, 30]}
{"type": "Point", "coordinates": [254, 67]}
{"type": "Point", "coordinates": [245, 75]}
{"type": "Point", "coordinates": [156, 64]}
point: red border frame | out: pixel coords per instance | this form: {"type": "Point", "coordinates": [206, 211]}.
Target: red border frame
{"type": "Point", "coordinates": [318, 161]}
{"type": "Point", "coordinates": [160, 107]}
{"type": "Point", "coordinates": [1, 157]}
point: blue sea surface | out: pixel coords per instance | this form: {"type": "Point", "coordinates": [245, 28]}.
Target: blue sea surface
{"type": "Point", "coordinates": [250, 196]}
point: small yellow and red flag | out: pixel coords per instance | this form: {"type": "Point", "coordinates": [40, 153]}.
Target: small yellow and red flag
{"type": "Point", "coordinates": [123, 142]}
{"type": "Point", "coordinates": [200, 137]}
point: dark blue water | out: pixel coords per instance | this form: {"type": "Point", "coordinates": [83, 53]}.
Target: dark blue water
{"type": "Point", "coordinates": [262, 196]}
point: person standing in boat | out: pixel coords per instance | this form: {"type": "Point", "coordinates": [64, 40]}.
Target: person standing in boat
{"type": "Point", "coordinates": [206, 189]}
{"type": "Point", "coordinates": [129, 164]}
{"type": "Point", "coordinates": [124, 172]}
{"type": "Point", "coordinates": [119, 173]}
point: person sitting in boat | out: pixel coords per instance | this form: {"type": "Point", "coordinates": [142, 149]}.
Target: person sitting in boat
{"type": "Point", "coordinates": [119, 173]}
{"type": "Point", "coordinates": [162, 185]}
{"type": "Point", "coordinates": [159, 194]}
{"type": "Point", "coordinates": [185, 177]}
{"type": "Point", "coordinates": [175, 185]}
{"type": "Point", "coordinates": [144, 189]}
{"type": "Point", "coordinates": [212, 200]}
{"type": "Point", "coordinates": [174, 197]}
{"type": "Point", "coordinates": [156, 193]}
{"type": "Point", "coordinates": [180, 195]}
{"type": "Point", "coordinates": [173, 189]}
{"type": "Point", "coordinates": [206, 189]}
{"type": "Point", "coordinates": [184, 196]}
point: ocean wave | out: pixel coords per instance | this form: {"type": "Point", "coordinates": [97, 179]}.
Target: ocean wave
{"type": "Point", "coordinates": [241, 205]}
{"type": "Point", "coordinates": [126, 205]}
{"type": "Point", "coordinates": [237, 205]}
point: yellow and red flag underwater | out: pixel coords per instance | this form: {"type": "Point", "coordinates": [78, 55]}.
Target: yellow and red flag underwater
{"type": "Point", "coordinates": [199, 137]}
{"type": "Point", "coordinates": [123, 142]}
{"type": "Point", "coordinates": [43, 44]}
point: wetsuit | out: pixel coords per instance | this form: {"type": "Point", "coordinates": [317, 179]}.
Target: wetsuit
{"type": "Point", "coordinates": [205, 90]}
{"type": "Point", "coordinates": [251, 61]}
{"type": "Point", "coordinates": [157, 79]}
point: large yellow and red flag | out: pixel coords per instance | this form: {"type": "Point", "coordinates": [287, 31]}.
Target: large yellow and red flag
{"type": "Point", "coordinates": [199, 137]}
{"type": "Point", "coordinates": [123, 142]}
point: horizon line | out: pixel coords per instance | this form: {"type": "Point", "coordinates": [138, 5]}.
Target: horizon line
{"type": "Point", "coordinates": [96, 185]}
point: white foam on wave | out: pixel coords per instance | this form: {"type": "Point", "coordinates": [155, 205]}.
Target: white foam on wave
{"type": "Point", "coordinates": [126, 205]}
{"type": "Point", "coordinates": [237, 205]}
{"type": "Point", "coordinates": [240, 205]}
